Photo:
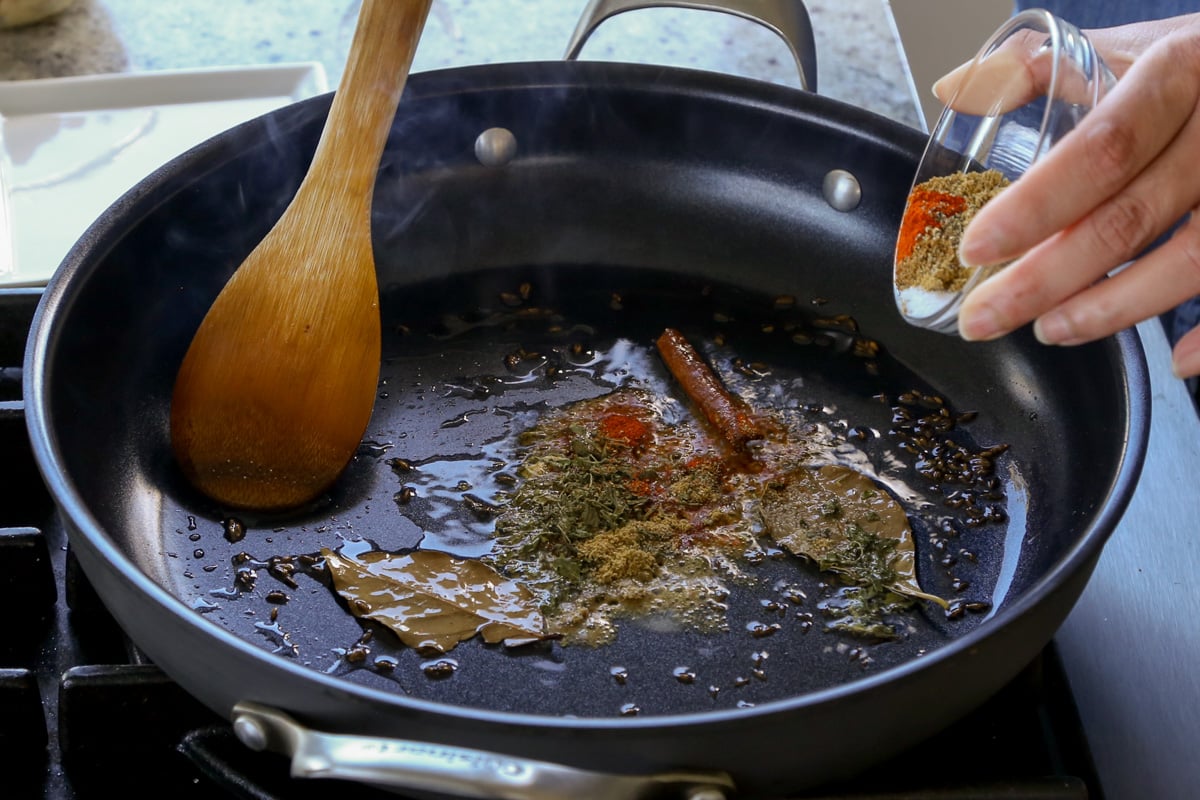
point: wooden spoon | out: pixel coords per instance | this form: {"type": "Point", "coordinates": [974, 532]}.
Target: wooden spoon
{"type": "Point", "coordinates": [278, 385]}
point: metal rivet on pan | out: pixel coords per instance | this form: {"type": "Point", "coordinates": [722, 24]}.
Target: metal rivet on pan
{"type": "Point", "coordinates": [842, 190]}
{"type": "Point", "coordinates": [250, 733]}
{"type": "Point", "coordinates": [495, 147]}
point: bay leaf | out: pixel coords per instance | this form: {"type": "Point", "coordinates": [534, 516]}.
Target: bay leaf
{"type": "Point", "coordinates": [433, 600]}
{"type": "Point", "coordinates": [846, 523]}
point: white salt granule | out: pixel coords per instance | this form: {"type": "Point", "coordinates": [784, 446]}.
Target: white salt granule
{"type": "Point", "coordinates": [917, 303]}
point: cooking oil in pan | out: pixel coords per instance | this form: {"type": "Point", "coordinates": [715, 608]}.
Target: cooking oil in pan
{"type": "Point", "coordinates": [472, 361]}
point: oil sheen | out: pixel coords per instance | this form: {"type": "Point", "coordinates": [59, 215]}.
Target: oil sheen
{"type": "Point", "coordinates": [473, 361]}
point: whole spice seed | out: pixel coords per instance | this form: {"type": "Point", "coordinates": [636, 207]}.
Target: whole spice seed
{"type": "Point", "coordinates": [937, 214]}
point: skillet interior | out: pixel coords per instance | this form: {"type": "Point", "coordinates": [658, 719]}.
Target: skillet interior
{"type": "Point", "coordinates": [722, 189]}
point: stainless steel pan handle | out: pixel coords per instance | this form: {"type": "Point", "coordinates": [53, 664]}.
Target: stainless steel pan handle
{"type": "Point", "coordinates": [786, 18]}
{"type": "Point", "coordinates": [400, 765]}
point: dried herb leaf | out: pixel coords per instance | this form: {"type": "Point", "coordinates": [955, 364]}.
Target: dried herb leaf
{"type": "Point", "coordinates": [619, 514]}
{"type": "Point", "coordinates": [847, 524]}
{"type": "Point", "coordinates": [432, 600]}
{"type": "Point", "coordinates": [576, 486]}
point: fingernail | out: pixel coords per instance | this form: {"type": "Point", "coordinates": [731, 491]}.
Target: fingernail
{"type": "Point", "coordinates": [978, 250]}
{"type": "Point", "coordinates": [1185, 367]}
{"type": "Point", "coordinates": [1054, 328]}
{"type": "Point", "coordinates": [941, 89]}
{"type": "Point", "coordinates": [979, 324]}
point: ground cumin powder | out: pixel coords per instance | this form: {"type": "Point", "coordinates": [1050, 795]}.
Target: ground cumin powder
{"type": "Point", "coordinates": [937, 214]}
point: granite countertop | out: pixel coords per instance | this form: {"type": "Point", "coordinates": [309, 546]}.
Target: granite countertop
{"type": "Point", "coordinates": [858, 58]}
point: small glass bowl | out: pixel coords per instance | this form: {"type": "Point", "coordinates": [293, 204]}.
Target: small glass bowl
{"type": "Point", "coordinates": [1030, 84]}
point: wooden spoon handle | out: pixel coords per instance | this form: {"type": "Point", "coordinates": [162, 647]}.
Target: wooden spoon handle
{"type": "Point", "coordinates": [279, 383]}
{"type": "Point", "coordinates": [352, 142]}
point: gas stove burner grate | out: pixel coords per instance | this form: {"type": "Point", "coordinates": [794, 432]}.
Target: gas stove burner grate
{"type": "Point", "coordinates": [84, 714]}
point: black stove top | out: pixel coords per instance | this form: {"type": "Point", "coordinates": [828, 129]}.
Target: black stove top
{"type": "Point", "coordinates": [84, 714]}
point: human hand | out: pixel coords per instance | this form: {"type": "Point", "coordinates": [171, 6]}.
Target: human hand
{"type": "Point", "coordinates": [1124, 176]}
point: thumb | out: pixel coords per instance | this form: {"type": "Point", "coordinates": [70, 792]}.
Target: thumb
{"type": "Point", "coordinates": [1005, 79]}
{"type": "Point", "coordinates": [1119, 47]}
{"type": "Point", "coordinates": [945, 87]}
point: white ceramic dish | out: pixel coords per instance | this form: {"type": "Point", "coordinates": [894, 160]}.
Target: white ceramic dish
{"type": "Point", "coordinates": [69, 147]}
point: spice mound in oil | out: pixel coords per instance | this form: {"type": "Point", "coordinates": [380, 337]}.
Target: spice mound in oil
{"type": "Point", "coordinates": [620, 514]}
{"type": "Point", "coordinates": [935, 219]}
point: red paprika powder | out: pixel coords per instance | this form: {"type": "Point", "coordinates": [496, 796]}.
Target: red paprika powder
{"type": "Point", "coordinates": [626, 429]}
{"type": "Point", "coordinates": [926, 209]}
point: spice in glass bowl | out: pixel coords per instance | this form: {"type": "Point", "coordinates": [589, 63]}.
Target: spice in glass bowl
{"type": "Point", "coordinates": [938, 212]}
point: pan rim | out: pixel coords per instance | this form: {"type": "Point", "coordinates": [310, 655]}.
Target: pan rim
{"type": "Point", "coordinates": [64, 286]}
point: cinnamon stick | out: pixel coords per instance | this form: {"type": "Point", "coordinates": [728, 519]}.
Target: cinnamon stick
{"type": "Point", "coordinates": [728, 413]}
